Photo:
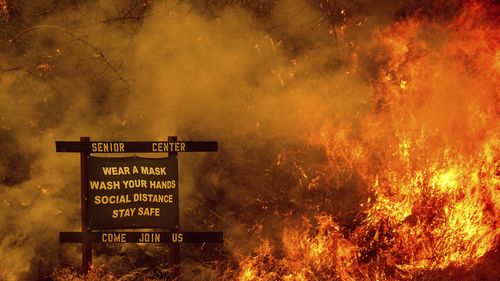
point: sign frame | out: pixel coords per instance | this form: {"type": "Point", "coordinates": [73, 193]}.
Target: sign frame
{"type": "Point", "coordinates": [87, 236]}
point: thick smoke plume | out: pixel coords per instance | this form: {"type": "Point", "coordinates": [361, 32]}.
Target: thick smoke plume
{"type": "Point", "coordinates": [294, 92]}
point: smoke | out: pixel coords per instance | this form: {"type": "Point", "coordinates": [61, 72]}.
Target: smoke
{"type": "Point", "coordinates": [260, 77]}
{"type": "Point", "coordinates": [174, 72]}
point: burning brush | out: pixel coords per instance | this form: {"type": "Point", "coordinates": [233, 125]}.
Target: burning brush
{"type": "Point", "coordinates": [428, 155]}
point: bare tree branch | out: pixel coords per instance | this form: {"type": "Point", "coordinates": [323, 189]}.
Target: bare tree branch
{"type": "Point", "coordinates": [331, 12]}
{"type": "Point", "coordinates": [77, 38]}
{"type": "Point", "coordinates": [38, 77]}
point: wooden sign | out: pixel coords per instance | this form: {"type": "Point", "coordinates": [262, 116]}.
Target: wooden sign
{"type": "Point", "coordinates": [133, 192]}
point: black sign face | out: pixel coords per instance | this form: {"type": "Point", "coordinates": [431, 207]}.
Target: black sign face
{"type": "Point", "coordinates": [133, 192]}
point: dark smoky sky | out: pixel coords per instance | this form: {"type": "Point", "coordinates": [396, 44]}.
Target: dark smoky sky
{"type": "Point", "coordinates": [257, 76]}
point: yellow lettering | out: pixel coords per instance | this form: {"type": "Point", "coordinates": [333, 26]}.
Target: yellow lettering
{"type": "Point", "coordinates": [152, 212]}
{"type": "Point", "coordinates": [114, 237]}
{"type": "Point", "coordinates": [111, 199]}
{"type": "Point", "coordinates": [176, 237]}
{"type": "Point", "coordinates": [108, 147]}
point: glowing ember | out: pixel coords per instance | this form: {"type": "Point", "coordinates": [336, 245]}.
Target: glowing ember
{"type": "Point", "coordinates": [4, 9]}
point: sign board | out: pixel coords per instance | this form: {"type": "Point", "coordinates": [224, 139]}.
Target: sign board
{"type": "Point", "coordinates": [136, 146]}
{"type": "Point", "coordinates": [133, 192]}
{"type": "Point", "coordinates": [144, 237]}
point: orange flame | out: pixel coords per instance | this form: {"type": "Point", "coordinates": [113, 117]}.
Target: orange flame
{"type": "Point", "coordinates": [429, 153]}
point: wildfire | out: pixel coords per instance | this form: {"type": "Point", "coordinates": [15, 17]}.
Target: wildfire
{"type": "Point", "coordinates": [428, 153]}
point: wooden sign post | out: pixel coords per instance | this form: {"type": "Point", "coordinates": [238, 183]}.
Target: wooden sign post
{"type": "Point", "coordinates": [175, 249]}
{"type": "Point", "coordinates": [84, 198]}
{"type": "Point", "coordinates": [132, 192]}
